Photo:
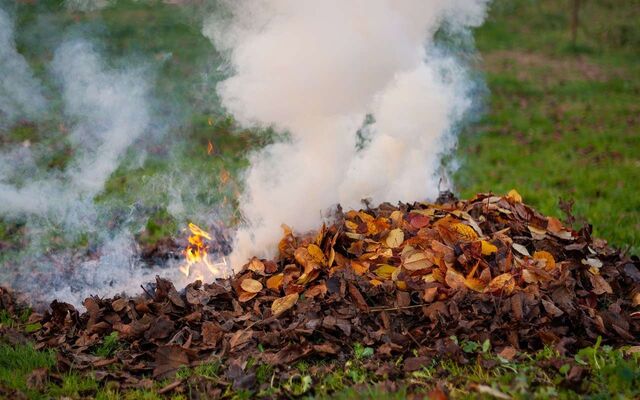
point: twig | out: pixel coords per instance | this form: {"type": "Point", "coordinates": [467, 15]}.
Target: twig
{"type": "Point", "coordinates": [396, 308]}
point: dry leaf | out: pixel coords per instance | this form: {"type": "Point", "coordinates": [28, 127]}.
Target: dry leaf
{"type": "Point", "coordinates": [385, 271]}
{"type": "Point", "coordinates": [521, 249]}
{"type": "Point", "coordinates": [284, 303]}
{"type": "Point", "coordinates": [488, 248]}
{"type": "Point", "coordinates": [317, 253]}
{"type": "Point", "coordinates": [256, 265]}
{"type": "Point", "coordinates": [275, 281]}
{"type": "Point", "coordinates": [504, 283]}
{"type": "Point", "coordinates": [465, 232]}
{"type": "Point", "coordinates": [550, 262]}
{"type": "Point", "coordinates": [395, 238]}
{"type": "Point", "coordinates": [514, 196]}
{"type": "Point", "coordinates": [454, 279]}
{"type": "Point", "coordinates": [251, 285]}
{"type": "Point", "coordinates": [416, 261]}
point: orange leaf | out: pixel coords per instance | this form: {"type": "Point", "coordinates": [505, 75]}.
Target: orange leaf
{"type": "Point", "coordinates": [275, 281]}
{"type": "Point", "coordinates": [550, 262]}
{"type": "Point", "coordinates": [359, 267]}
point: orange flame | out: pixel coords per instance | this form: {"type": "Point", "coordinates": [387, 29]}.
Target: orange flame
{"type": "Point", "coordinates": [197, 256]}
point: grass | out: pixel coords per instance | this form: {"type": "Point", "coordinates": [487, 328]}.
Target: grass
{"type": "Point", "coordinates": [561, 122]}
{"type": "Point", "coordinates": [607, 372]}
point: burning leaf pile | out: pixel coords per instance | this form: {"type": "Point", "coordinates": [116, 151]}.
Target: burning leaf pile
{"type": "Point", "coordinates": [402, 280]}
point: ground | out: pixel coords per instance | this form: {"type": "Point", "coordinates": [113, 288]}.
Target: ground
{"type": "Point", "coordinates": [561, 121]}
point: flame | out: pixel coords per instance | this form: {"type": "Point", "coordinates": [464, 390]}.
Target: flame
{"type": "Point", "coordinates": [197, 257]}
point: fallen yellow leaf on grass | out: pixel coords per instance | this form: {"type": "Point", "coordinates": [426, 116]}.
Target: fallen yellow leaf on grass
{"type": "Point", "coordinates": [284, 303]}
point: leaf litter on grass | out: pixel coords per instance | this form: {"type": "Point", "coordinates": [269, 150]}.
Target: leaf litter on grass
{"type": "Point", "coordinates": [410, 282]}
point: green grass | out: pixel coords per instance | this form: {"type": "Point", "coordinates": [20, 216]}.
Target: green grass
{"type": "Point", "coordinates": [561, 124]}
{"type": "Point", "coordinates": [607, 372]}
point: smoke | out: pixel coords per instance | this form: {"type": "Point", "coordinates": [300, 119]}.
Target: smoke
{"type": "Point", "coordinates": [107, 111]}
{"type": "Point", "coordinates": [317, 70]}
{"type": "Point", "coordinates": [20, 94]}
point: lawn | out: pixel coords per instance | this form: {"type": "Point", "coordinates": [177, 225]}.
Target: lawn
{"type": "Point", "coordinates": [561, 121]}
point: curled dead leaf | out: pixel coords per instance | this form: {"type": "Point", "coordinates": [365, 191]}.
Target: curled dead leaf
{"type": "Point", "coordinates": [284, 303]}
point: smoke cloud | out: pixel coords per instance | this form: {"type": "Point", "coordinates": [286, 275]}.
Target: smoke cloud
{"type": "Point", "coordinates": [317, 69]}
{"type": "Point", "coordinates": [20, 94]}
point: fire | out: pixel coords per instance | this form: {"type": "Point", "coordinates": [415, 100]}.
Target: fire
{"type": "Point", "coordinates": [197, 261]}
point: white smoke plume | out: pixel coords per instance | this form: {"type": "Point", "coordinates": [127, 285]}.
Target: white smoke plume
{"type": "Point", "coordinates": [316, 69]}
{"type": "Point", "coordinates": [20, 94]}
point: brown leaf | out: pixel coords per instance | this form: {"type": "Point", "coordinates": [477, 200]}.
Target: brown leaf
{"type": "Point", "coordinates": [600, 285]}
{"type": "Point", "coordinates": [168, 359]}
{"type": "Point", "coordinates": [358, 298]}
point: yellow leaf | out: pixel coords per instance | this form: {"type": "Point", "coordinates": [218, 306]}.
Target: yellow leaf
{"type": "Point", "coordinates": [275, 281]}
{"type": "Point", "coordinates": [488, 248]}
{"type": "Point", "coordinates": [465, 232]}
{"type": "Point", "coordinates": [550, 262]}
{"type": "Point", "coordinates": [251, 285]}
{"type": "Point", "coordinates": [384, 271]}
{"type": "Point", "coordinates": [284, 303]}
{"type": "Point", "coordinates": [395, 238]}
{"type": "Point", "coordinates": [514, 196]}
{"type": "Point", "coordinates": [316, 253]}
{"type": "Point", "coordinates": [375, 282]}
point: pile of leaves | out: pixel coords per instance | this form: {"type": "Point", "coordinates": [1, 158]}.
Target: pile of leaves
{"type": "Point", "coordinates": [408, 281]}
